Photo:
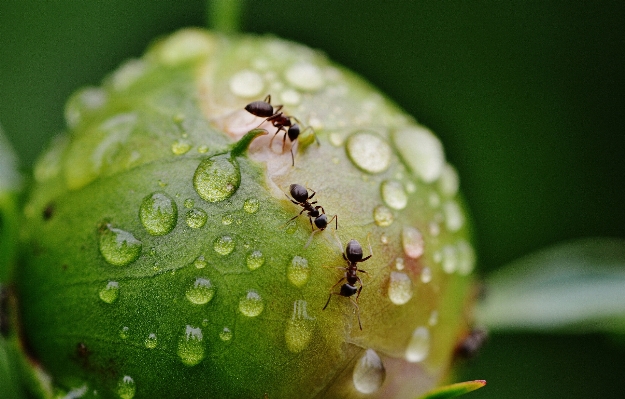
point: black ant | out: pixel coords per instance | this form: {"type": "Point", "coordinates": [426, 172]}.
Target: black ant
{"type": "Point", "coordinates": [353, 256]}
{"type": "Point", "coordinates": [278, 119]}
{"type": "Point", "coordinates": [301, 197]}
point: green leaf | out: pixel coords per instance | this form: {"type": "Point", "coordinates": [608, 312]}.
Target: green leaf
{"type": "Point", "coordinates": [10, 183]}
{"type": "Point", "coordinates": [453, 390]}
{"type": "Point", "coordinates": [577, 286]}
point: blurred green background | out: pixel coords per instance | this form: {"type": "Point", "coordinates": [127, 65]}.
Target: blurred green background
{"type": "Point", "coordinates": [528, 98]}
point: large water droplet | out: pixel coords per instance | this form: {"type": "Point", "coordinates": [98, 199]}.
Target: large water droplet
{"type": "Point", "coordinates": [191, 346]}
{"type": "Point", "coordinates": [298, 271]}
{"type": "Point", "coordinates": [299, 328]}
{"type": "Point", "coordinates": [201, 291]}
{"type": "Point", "coordinates": [419, 345]}
{"type": "Point", "coordinates": [450, 259]}
{"type": "Point", "coordinates": [251, 305]}
{"type": "Point", "coordinates": [225, 334]}
{"type": "Point", "coordinates": [246, 84]}
{"type": "Point", "coordinates": [217, 178]}
{"type": "Point", "coordinates": [369, 152]}
{"type": "Point", "coordinates": [200, 262]}
{"type": "Point", "coordinates": [305, 76]}
{"type": "Point", "coordinates": [454, 219]}
{"type": "Point", "coordinates": [421, 151]}
{"type": "Point", "coordinates": [369, 372]}
{"type": "Point", "coordinates": [223, 245]}
{"type": "Point", "coordinates": [412, 241]}
{"type": "Point", "coordinates": [151, 341]}
{"type": "Point", "coordinates": [393, 194]}
{"type": "Point", "coordinates": [196, 218]}
{"type": "Point", "coordinates": [251, 205]}
{"type": "Point", "coordinates": [399, 288]}
{"type": "Point", "coordinates": [110, 292]}
{"type": "Point", "coordinates": [255, 259]}
{"type": "Point", "coordinates": [466, 258]}
{"type": "Point", "coordinates": [382, 216]}
{"type": "Point", "coordinates": [158, 213]}
{"type": "Point", "coordinates": [449, 182]}
{"type": "Point", "coordinates": [126, 388]}
{"type": "Point", "coordinates": [118, 247]}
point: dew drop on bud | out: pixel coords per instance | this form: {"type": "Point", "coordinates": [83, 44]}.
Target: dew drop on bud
{"type": "Point", "coordinates": [382, 216]}
{"type": "Point", "coordinates": [110, 292]}
{"type": "Point", "coordinates": [126, 388]}
{"type": "Point", "coordinates": [196, 218]}
{"type": "Point", "coordinates": [251, 205]}
{"type": "Point", "coordinates": [412, 241]}
{"type": "Point", "coordinates": [369, 152]}
{"type": "Point", "coordinates": [393, 194]}
{"type": "Point", "coordinates": [255, 260]}
{"type": "Point", "coordinates": [225, 334]}
{"type": "Point", "coordinates": [158, 214]}
{"type": "Point", "coordinates": [191, 346]}
{"type": "Point", "coordinates": [369, 373]}
{"type": "Point", "coordinates": [251, 305]}
{"type": "Point", "coordinates": [201, 292]}
{"type": "Point", "coordinates": [118, 247]}
{"type": "Point", "coordinates": [299, 328]}
{"type": "Point", "coordinates": [217, 178]}
{"type": "Point", "coordinates": [298, 271]}
{"type": "Point", "coordinates": [400, 288]}
{"type": "Point", "coordinates": [419, 345]}
{"type": "Point", "coordinates": [151, 341]}
{"type": "Point", "coordinates": [223, 245]}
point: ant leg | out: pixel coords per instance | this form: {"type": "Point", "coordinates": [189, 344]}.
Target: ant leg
{"type": "Point", "coordinates": [268, 99]}
{"type": "Point", "coordinates": [310, 238]}
{"type": "Point", "coordinates": [320, 207]}
{"type": "Point", "coordinates": [313, 133]}
{"type": "Point", "coordinates": [274, 136]}
{"type": "Point", "coordinates": [292, 157]}
{"type": "Point", "coordinates": [312, 195]}
{"type": "Point", "coordinates": [357, 312]}
{"type": "Point", "coordinates": [336, 222]}
{"type": "Point", "coordinates": [359, 289]}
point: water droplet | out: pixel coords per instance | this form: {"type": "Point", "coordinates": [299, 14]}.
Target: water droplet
{"type": "Point", "coordinates": [124, 332]}
{"type": "Point", "coordinates": [466, 258]}
{"type": "Point", "coordinates": [201, 291]}
{"type": "Point", "coordinates": [83, 102]}
{"type": "Point", "coordinates": [393, 194]}
{"type": "Point", "coordinates": [411, 187]}
{"type": "Point", "coordinates": [421, 151]}
{"type": "Point", "coordinates": [399, 288]}
{"type": "Point", "coordinates": [223, 245]}
{"type": "Point", "coordinates": [126, 388]}
{"type": "Point", "coordinates": [450, 259]}
{"type": "Point", "coordinates": [203, 149]}
{"type": "Point", "coordinates": [251, 305]}
{"type": "Point", "coordinates": [180, 147]}
{"type": "Point", "coordinates": [251, 205]}
{"type": "Point", "coordinates": [383, 216]}
{"type": "Point", "coordinates": [298, 271]}
{"type": "Point", "coordinates": [118, 247]}
{"type": "Point", "coordinates": [412, 241]}
{"type": "Point", "coordinates": [449, 182]}
{"type": "Point", "coordinates": [189, 203]}
{"type": "Point", "coordinates": [369, 373]}
{"type": "Point", "coordinates": [419, 345]}
{"type": "Point", "coordinates": [128, 73]}
{"type": "Point", "coordinates": [246, 84]}
{"type": "Point", "coordinates": [158, 214]}
{"type": "Point", "coordinates": [290, 97]}
{"type": "Point", "coordinates": [200, 262]}
{"type": "Point", "coordinates": [434, 200]}
{"type": "Point", "coordinates": [185, 45]}
{"type": "Point", "coordinates": [196, 218]}
{"type": "Point", "coordinates": [433, 320]}
{"type": "Point", "coordinates": [369, 152]}
{"type": "Point", "coordinates": [435, 229]}
{"type": "Point", "coordinates": [426, 275]}
{"type": "Point", "coordinates": [453, 216]}
{"type": "Point", "coordinates": [336, 139]}
{"type": "Point", "coordinates": [227, 220]}
{"type": "Point", "coordinates": [110, 292]}
{"type": "Point", "coordinates": [225, 334]}
{"type": "Point", "coordinates": [151, 341]}
{"type": "Point", "coordinates": [190, 346]}
{"type": "Point", "coordinates": [255, 259]}
{"type": "Point", "coordinates": [383, 239]}
{"type": "Point", "coordinates": [217, 178]}
{"type": "Point", "coordinates": [299, 328]}
{"type": "Point", "coordinates": [305, 76]}
{"type": "Point", "coordinates": [399, 264]}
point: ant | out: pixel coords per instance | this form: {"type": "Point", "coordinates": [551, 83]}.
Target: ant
{"type": "Point", "coordinates": [353, 256]}
{"type": "Point", "coordinates": [301, 197]}
{"type": "Point", "coordinates": [471, 344]}
{"type": "Point", "coordinates": [278, 119]}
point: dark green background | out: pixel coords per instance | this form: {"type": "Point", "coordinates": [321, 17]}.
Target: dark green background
{"type": "Point", "coordinates": [528, 98]}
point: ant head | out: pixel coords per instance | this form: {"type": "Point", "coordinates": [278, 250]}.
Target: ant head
{"type": "Point", "coordinates": [298, 192]}
{"type": "Point", "coordinates": [321, 221]}
{"type": "Point", "coordinates": [260, 108]}
{"type": "Point", "coordinates": [348, 290]}
{"type": "Point", "coordinates": [353, 251]}
{"type": "Point", "coordinates": [294, 132]}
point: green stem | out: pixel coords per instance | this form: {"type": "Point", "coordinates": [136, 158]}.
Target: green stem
{"type": "Point", "coordinates": [224, 15]}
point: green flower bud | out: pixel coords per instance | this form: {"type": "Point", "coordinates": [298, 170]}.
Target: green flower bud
{"type": "Point", "coordinates": [160, 257]}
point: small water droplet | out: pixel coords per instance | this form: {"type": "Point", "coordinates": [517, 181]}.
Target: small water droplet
{"type": "Point", "coordinates": [435, 229]}
{"type": "Point", "coordinates": [434, 200]}
{"type": "Point", "coordinates": [419, 345]}
{"type": "Point", "coordinates": [118, 247]}
{"type": "Point", "coordinates": [369, 373]}
{"type": "Point", "coordinates": [466, 258]}
{"type": "Point", "coordinates": [399, 288]}
{"type": "Point", "coordinates": [246, 84]}
{"type": "Point", "coordinates": [223, 245]}
{"type": "Point", "coordinates": [336, 139]}
{"type": "Point", "coordinates": [399, 264]}
{"type": "Point", "coordinates": [454, 219]}
{"type": "Point", "coordinates": [255, 259]}
{"type": "Point", "coordinates": [225, 334]}
{"type": "Point", "coordinates": [124, 332]}
{"type": "Point", "coordinates": [449, 182]}
{"type": "Point", "coordinates": [369, 152]}
{"type": "Point", "coordinates": [110, 292]}
{"type": "Point", "coordinates": [251, 205]}
{"type": "Point", "coordinates": [158, 214]}
{"type": "Point", "coordinates": [426, 275]}
{"type": "Point", "coordinates": [450, 259]}
{"type": "Point", "coordinates": [126, 388]}
{"type": "Point", "coordinates": [203, 149]}
{"type": "Point", "coordinates": [251, 305]}
{"type": "Point", "coordinates": [191, 346]}
{"type": "Point", "coordinates": [305, 76]}
{"type": "Point", "coordinates": [298, 271]}
{"type": "Point", "coordinates": [217, 178]}
{"type": "Point", "coordinates": [196, 218]}
{"type": "Point", "coordinates": [151, 341]}
{"type": "Point", "coordinates": [383, 239]}
{"type": "Point", "coordinates": [412, 241]}
{"type": "Point", "coordinates": [290, 97]}
{"type": "Point", "coordinates": [393, 194]}
{"type": "Point", "coordinates": [411, 187]}
{"type": "Point", "coordinates": [200, 262]}
{"type": "Point", "coordinates": [383, 216]}
{"type": "Point", "coordinates": [180, 147]}
{"type": "Point", "coordinates": [83, 102]}
{"type": "Point", "coordinates": [299, 328]}
{"type": "Point", "coordinates": [189, 203]}
{"type": "Point", "coordinates": [227, 220]}
{"type": "Point", "coordinates": [433, 320]}
{"type": "Point", "coordinates": [201, 291]}
{"type": "Point", "coordinates": [421, 151]}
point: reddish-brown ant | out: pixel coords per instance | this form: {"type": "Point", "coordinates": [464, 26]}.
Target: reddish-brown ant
{"type": "Point", "coordinates": [301, 197]}
{"type": "Point", "coordinates": [278, 119]}
{"type": "Point", "coordinates": [353, 255]}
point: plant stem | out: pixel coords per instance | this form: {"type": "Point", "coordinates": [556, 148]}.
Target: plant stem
{"type": "Point", "coordinates": [224, 15]}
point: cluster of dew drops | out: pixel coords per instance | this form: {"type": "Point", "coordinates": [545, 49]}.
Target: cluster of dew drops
{"type": "Point", "coordinates": [217, 179]}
